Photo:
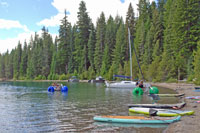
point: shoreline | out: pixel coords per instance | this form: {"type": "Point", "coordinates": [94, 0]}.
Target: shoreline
{"type": "Point", "coordinates": [187, 123]}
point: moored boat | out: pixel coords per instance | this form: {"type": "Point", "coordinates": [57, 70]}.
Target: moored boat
{"type": "Point", "coordinates": [121, 84]}
{"type": "Point", "coordinates": [98, 79]}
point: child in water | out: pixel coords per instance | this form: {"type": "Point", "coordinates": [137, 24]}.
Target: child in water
{"type": "Point", "coordinates": [140, 84]}
{"type": "Point", "coordinates": [56, 86]}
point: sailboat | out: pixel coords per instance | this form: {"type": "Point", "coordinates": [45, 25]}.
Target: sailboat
{"type": "Point", "coordinates": [125, 84]}
{"type": "Point", "coordinates": [121, 84]}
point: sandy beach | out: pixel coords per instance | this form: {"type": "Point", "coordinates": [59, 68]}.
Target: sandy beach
{"type": "Point", "coordinates": [187, 123]}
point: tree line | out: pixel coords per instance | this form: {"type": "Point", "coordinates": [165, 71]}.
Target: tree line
{"type": "Point", "coordinates": [166, 38]}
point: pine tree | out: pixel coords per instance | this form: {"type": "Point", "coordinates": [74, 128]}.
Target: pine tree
{"type": "Point", "coordinates": [186, 24]}
{"type": "Point", "coordinates": [17, 60]}
{"type": "Point", "coordinates": [37, 56]}
{"type": "Point", "coordinates": [77, 51]}
{"type": "Point", "coordinates": [100, 40]}
{"type": "Point", "coordinates": [130, 23]}
{"type": "Point", "coordinates": [166, 66]}
{"type": "Point", "coordinates": [177, 46]}
{"type": "Point", "coordinates": [54, 65]}
{"type": "Point", "coordinates": [197, 64]}
{"type": "Point", "coordinates": [119, 51]}
{"type": "Point", "coordinates": [91, 47]}
{"type": "Point", "coordinates": [110, 40]}
{"type": "Point", "coordinates": [2, 66]}
{"type": "Point", "coordinates": [9, 66]}
{"type": "Point", "coordinates": [6, 63]}
{"type": "Point", "coordinates": [155, 39]}
{"type": "Point", "coordinates": [47, 50]}
{"type": "Point", "coordinates": [24, 60]}
{"type": "Point", "coordinates": [64, 50]}
{"type": "Point", "coordinates": [142, 27]}
{"type": "Point", "coordinates": [84, 24]}
{"type": "Point", "coordinates": [30, 70]}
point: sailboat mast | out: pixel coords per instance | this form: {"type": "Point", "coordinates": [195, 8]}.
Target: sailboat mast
{"type": "Point", "coordinates": [135, 55]}
{"type": "Point", "coordinates": [130, 53]}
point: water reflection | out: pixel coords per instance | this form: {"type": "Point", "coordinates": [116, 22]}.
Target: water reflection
{"type": "Point", "coordinates": [28, 107]}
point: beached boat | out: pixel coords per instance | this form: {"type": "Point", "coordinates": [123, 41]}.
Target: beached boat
{"type": "Point", "coordinates": [197, 87]}
{"type": "Point", "coordinates": [137, 119]}
{"type": "Point", "coordinates": [168, 95]}
{"type": "Point", "coordinates": [193, 97]}
{"type": "Point", "coordinates": [98, 79]}
{"type": "Point", "coordinates": [159, 112]}
{"type": "Point", "coordinates": [160, 106]}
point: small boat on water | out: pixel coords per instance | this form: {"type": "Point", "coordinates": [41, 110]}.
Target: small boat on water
{"type": "Point", "coordinates": [98, 79]}
{"type": "Point", "coordinates": [73, 79]}
{"type": "Point", "coordinates": [160, 106]}
{"type": "Point", "coordinates": [137, 119]}
{"type": "Point", "coordinates": [159, 112]}
{"type": "Point", "coordinates": [121, 84]}
{"type": "Point", "coordinates": [126, 84]}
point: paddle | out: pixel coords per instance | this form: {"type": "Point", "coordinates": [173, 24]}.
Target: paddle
{"type": "Point", "coordinates": [153, 112]}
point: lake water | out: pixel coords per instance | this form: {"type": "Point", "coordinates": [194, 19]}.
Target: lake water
{"type": "Point", "coordinates": [28, 107]}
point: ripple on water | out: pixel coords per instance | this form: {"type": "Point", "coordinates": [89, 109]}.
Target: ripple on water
{"type": "Point", "coordinates": [30, 108]}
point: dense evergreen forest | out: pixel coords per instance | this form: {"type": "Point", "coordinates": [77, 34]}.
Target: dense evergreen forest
{"type": "Point", "coordinates": [166, 37]}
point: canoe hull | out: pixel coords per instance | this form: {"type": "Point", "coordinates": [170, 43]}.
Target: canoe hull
{"type": "Point", "coordinates": [167, 95]}
{"type": "Point", "coordinates": [160, 106]}
{"type": "Point", "coordinates": [135, 120]}
{"type": "Point", "coordinates": [160, 112]}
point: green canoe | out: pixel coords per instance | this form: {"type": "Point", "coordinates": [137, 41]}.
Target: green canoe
{"type": "Point", "coordinates": [160, 112]}
{"type": "Point", "coordinates": [137, 119]}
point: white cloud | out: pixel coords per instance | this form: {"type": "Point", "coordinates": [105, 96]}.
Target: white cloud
{"type": "Point", "coordinates": [9, 24]}
{"type": "Point", "coordinates": [53, 21]}
{"type": "Point", "coordinates": [4, 4]}
{"type": "Point", "coordinates": [11, 43]}
{"type": "Point", "coordinates": [94, 9]}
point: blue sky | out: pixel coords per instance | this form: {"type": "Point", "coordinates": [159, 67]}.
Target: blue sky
{"type": "Point", "coordinates": [19, 19]}
{"type": "Point", "coordinates": [27, 12]}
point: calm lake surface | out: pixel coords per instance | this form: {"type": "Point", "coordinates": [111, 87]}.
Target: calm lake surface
{"type": "Point", "coordinates": [28, 107]}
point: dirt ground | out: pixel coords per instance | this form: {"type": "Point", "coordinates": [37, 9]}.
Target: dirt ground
{"type": "Point", "coordinates": [187, 124]}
